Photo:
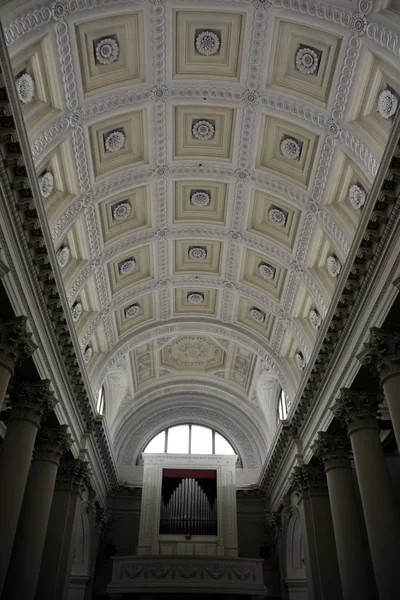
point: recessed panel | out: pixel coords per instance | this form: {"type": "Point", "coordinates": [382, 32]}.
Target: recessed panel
{"type": "Point", "coordinates": [200, 201]}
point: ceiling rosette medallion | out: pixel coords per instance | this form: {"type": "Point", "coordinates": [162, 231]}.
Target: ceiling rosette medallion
{"type": "Point", "coordinates": [315, 318]}
{"type": "Point", "coordinates": [63, 256]}
{"type": "Point", "coordinates": [197, 253]}
{"type": "Point", "coordinates": [333, 265]}
{"type": "Point", "coordinates": [357, 196]}
{"type": "Point", "coordinates": [203, 130]}
{"type": "Point", "coordinates": [114, 141]}
{"type": "Point", "coordinates": [195, 298]}
{"type": "Point", "coordinates": [267, 271]}
{"type": "Point", "coordinates": [46, 184]}
{"type": "Point", "coordinates": [208, 42]}
{"type": "Point", "coordinates": [387, 104]}
{"type": "Point", "coordinates": [107, 51]}
{"type": "Point", "coordinates": [307, 60]}
{"type": "Point", "coordinates": [25, 88]}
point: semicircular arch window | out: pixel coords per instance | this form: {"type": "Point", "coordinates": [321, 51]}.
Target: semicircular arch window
{"type": "Point", "coordinates": [189, 439]}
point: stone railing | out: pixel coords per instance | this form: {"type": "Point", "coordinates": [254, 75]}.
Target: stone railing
{"type": "Point", "coordinates": [174, 574]}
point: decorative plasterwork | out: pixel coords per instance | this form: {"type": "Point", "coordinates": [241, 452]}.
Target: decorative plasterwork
{"type": "Point", "coordinates": [111, 52]}
{"type": "Point", "coordinates": [208, 45]}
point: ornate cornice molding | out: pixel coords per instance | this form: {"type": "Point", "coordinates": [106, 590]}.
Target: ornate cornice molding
{"type": "Point", "coordinates": [17, 175]}
{"type": "Point", "coordinates": [357, 410]}
{"type": "Point", "coordinates": [381, 354]}
{"type": "Point", "coordinates": [333, 450]}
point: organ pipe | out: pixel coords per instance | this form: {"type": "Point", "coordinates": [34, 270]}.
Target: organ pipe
{"type": "Point", "coordinates": [188, 510]}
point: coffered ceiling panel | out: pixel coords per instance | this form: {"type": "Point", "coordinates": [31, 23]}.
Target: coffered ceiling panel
{"type": "Point", "coordinates": [131, 268]}
{"type": "Point", "coordinates": [203, 132]}
{"type": "Point", "coordinates": [203, 171]}
{"type": "Point", "coordinates": [347, 193]}
{"type": "Point", "coordinates": [273, 219]}
{"type": "Point", "coordinates": [195, 301]}
{"type": "Point", "coordinates": [134, 314]}
{"type": "Point", "coordinates": [200, 201]}
{"type": "Point", "coordinates": [125, 213]}
{"type": "Point", "coordinates": [250, 315]}
{"type": "Point", "coordinates": [197, 256]}
{"type": "Point", "coordinates": [286, 150]}
{"type": "Point", "coordinates": [111, 52]}
{"type": "Point", "coordinates": [372, 110]}
{"type": "Point", "coordinates": [119, 142]}
{"type": "Point", "coordinates": [260, 271]}
{"type": "Point", "coordinates": [57, 183]}
{"type": "Point", "coordinates": [303, 61]}
{"type": "Point", "coordinates": [208, 44]}
{"type": "Point", "coordinates": [37, 83]}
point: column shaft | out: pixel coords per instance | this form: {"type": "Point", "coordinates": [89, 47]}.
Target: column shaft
{"type": "Point", "coordinates": [51, 443]}
{"type": "Point", "coordinates": [354, 561]}
{"type": "Point", "coordinates": [15, 459]}
{"type": "Point", "coordinates": [380, 510]}
{"type": "Point", "coordinates": [391, 387]}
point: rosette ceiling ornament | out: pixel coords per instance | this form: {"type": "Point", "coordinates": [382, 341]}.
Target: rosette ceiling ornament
{"type": "Point", "coordinates": [200, 174]}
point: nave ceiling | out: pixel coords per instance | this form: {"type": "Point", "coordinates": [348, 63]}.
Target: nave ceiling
{"type": "Point", "coordinates": [203, 168]}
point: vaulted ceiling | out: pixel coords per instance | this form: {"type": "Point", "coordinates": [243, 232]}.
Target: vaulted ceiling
{"type": "Point", "coordinates": [203, 169]}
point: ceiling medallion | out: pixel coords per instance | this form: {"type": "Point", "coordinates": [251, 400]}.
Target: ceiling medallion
{"type": "Point", "coordinates": [76, 311]}
{"type": "Point", "coordinates": [203, 130]}
{"type": "Point", "coordinates": [300, 362]}
{"type": "Point", "coordinates": [60, 9]}
{"type": "Point", "coordinates": [207, 43]}
{"type": "Point", "coordinates": [315, 318]}
{"type": "Point", "coordinates": [290, 148]}
{"type": "Point", "coordinates": [277, 216]}
{"type": "Point", "coordinates": [267, 271]}
{"type": "Point", "coordinates": [87, 354]}
{"type": "Point", "coordinates": [357, 196]}
{"type": "Point", "coordinates": [159, 93]}
{"type": "Point", "coordinates": [306, 60]}
{"type": "Point", "coordinates": [114, 141]}
{"type": "Point", "coordinates": [107, 51]}
{"type": "Point", "coordinates": [197, 253]}
{"type": "Point", "coordinates": [262, 3]}
{"type": "Point", "coordinates": [257, 315]}
{"type": "Point", "coordinates": [333, 265]}
{"type": "Point", "coordinates": [121, 210]}
{"type": "Point", "coordinates": [46, 184]}
{"type": "Point", "coordinates": [127, 266]}
{"type": "Point", "coordinates": [132, 311]}
{"type": "Point", "coordinates": [200, 198]}
{"type": "Point", "coordinates": [25, 88]}
{"type": "Point", "coordinates": [387, 104]}
{"type": "Point", "coordinates": [358, 24]}
{"type": "Point", "coordinates": [251, 97]}
{"type": "Point", "coordinates": [195, 297]}
{"type": "Point", "coordinates": [332, 127]}
{"type": "Point", "coordinates": [192, 352]}
{"type": "Point", "coordinates": [63, 255]}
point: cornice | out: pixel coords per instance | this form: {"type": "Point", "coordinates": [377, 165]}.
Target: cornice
{"type": "Point", "coordinates": [368, 249]}
{"type": "Point", "coordinates": [19, 182]}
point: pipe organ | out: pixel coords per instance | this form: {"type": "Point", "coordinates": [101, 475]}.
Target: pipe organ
{"type": "Point", "coordinates": [188, 510]}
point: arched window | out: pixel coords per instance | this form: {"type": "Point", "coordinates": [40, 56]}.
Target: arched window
{"type": "Point", "coordinates": [100, 401]}
{"type": "Point", "coordinates": [189, 439]}
{"type": "Point", "coordinates": [282, 406]}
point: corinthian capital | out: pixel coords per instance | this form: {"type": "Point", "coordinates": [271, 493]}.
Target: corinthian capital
{"type": "Point", "coordinates": [381, 353]}
{"type": "Point", "coordinates": [71, 474]}
{"type": "Point", "coordinates": [309, 480]}
{"type": "Point", "coordinates": [357, 410]}
{"type": "Point", "coordinates": [15, 342]}
{"type": "Point", "coordinates": [51, 443]}
{"type": "Point", "coordinates": [31, 400]}
{"type": "Point", "coordinates": [333, 450]}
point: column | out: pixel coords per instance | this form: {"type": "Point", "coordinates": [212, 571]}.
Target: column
{"type": "Point", "coordinates": [353, 556]}
{"type": "Point", "coordinates": [381, 356]}
{"type": "Point", "coordinates": [100, 527]}
{"type": "Point", "coordinates": [50, 444]}
{"type": "Point", "coordinates": [274, 521]}
{"type": "Point", "coordinates": [55, 569]}
{"type": "Point", "coordinates": [15, 345]}
{"type": "Point", "coordinates": [322, 569]}
{"type": "Point", "coordinates": [358, 411]}
{"type": "Point", "coordinates": [31, 401]}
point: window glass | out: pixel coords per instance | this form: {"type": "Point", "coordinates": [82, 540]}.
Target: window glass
{"type": "Point", "coordinates": [282, 406]}
{"type": "Point", "coordinates": [222, 446]}
{"type": "Point", "coordinates": [178, 439]}
{"type": "Point", "coordinates": [100, 401]}
{"type": "Point", "coordinates": [201, 440]}
{"type": "Point", "coordinates": [157, 444]}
